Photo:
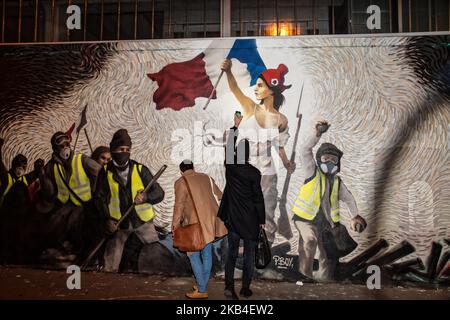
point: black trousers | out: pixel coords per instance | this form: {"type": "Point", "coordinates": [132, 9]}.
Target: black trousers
{"type": "Point", "coordinates": [130, 255]}
{"type": "Point", "coordinates": [249, 260]}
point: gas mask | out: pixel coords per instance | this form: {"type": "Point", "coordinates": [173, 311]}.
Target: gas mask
{"type": "Point", "coordinates": [329, 167]}
{"type": "Point", "coordinates": [64, 153]}
{"type": "Point", "coordinates": [329, 162]}
{"type": "Point", "coordinates": [61, 145]}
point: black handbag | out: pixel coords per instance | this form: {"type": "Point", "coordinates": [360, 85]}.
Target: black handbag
{"type": "Point", "coordinates": [263, 256]}
{"type": "Point", "coordinates": [337, 242]}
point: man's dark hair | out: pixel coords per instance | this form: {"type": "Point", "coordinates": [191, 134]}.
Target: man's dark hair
{"type": "Point", "coordinates": [186, 165]}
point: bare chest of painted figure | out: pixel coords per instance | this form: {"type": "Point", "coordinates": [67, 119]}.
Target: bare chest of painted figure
{"type": "Point", "coordinates": [261, 129]}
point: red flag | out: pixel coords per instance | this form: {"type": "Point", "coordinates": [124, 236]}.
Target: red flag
{"type": "Point", "coordinates": [179, 84]}
{"type": "Point", "coordinates": [69, 132]}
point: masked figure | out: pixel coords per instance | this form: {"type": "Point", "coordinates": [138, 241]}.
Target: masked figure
{"type": "Point", "coordinates": [119, 185]}
{"type": "Point", "coordinates": [67, 183]}
{"type": "Point", "coordinates": [14, 175]}
{"type": "Point", "coordinates": [317, 204]}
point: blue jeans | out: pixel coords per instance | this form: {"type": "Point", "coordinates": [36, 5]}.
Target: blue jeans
{"type": "Point", "coordinates": [201, 262]}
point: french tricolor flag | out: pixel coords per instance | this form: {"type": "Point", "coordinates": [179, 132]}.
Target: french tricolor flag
{"type": "Point", "coordinates": [179, 84]}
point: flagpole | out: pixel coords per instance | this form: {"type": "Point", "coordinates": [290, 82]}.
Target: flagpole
{"type": "Point", "coordinates": [214, 89]}
{"type": "Point", "coordinates": [89, 141]}
{"type": "Point", "coordinates": [76, 140]}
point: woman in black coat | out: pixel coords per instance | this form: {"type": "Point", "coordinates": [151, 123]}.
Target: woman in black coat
{"type": "Point", "coordinates": [242, 211]}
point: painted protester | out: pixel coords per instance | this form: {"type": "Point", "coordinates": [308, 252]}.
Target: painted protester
{"type": "Point", "coordinates": [14, 207]}
{"type": "Point", "coordinates": [8, 178]}
{"type": "Point", "coordinates": [317, 204]}
{"type": "Point", "coordinates": [122, 182]}
{"type": "Point", "coordinates": [265, 127]}
{"type": "Point", "coordinates": [16, 174]}
{"type": "Point", "coordinates": [65, 195]}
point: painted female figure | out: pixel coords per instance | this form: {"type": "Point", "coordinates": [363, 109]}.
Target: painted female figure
{"type": "Point", "coordinates": [264, 126]}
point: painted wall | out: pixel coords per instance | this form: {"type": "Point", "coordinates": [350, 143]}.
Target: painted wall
{"type": "Point", "coordinates": [387, 99]}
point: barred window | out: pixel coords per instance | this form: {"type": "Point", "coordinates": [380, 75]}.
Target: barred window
{"type": "Point", "coordinates": [45, 20]}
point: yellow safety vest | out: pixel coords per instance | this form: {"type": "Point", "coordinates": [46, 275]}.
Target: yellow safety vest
{"type": "Point", "coordinates": [79, 182]}
{"type": "Point", "coordinates": [308, 201]}
{"type": "Point", "coordinates": [144, 210]}
{"type": "Point", "coordinates": [11, 182]}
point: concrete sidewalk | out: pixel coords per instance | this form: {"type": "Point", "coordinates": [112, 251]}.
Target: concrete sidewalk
{"type": "Point", "coordinates": [26, 283]}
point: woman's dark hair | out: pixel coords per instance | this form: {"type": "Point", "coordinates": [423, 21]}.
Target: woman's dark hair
{"type": "Point", "coordinates": [186, 165]}
{"type": "Point", "coordinates": [278, 98]}
{"type": "Point", "coordinates": [98, 152]}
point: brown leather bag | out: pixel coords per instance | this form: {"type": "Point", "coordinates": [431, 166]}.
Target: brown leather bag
{"type": "Point", "coordinates": [189, 238]}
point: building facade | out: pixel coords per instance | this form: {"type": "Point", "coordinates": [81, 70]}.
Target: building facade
{"type": "Point", "coordinates": [46, 20]}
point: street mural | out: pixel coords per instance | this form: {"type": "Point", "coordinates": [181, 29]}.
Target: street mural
{"type": "Point", "coordinates": [380, 105]}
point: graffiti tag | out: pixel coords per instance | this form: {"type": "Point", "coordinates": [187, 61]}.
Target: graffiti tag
{"type": "Point", "coordinates": [283, 262]}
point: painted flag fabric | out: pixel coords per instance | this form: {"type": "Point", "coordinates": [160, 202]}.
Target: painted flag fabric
{"type": "Point", "coordinates": [179, 84]}
{"type": "Point", "coordinates": [69, 132]}
{"type": "Point", "coordinates": [245, 51]}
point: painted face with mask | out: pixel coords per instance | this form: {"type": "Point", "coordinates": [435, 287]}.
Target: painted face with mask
{"type": "Point", "coordinates": [329, 163]}
{"type": "Point", "coordinates": [121, 156]}
{"type": "Point", "coordinates": [64, 150]}
{"type": "Point", "coordinates": [328, 158]}
{"type": "Point", "coordinates": [120, 147]}
{"type": "Point", "coordinates": [61, 145]}
{"type": "Point", "coordinates": [19, 165]}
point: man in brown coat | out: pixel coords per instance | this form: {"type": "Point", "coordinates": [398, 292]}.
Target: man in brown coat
{"type": "Point", "coordinates": [196, 191]}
